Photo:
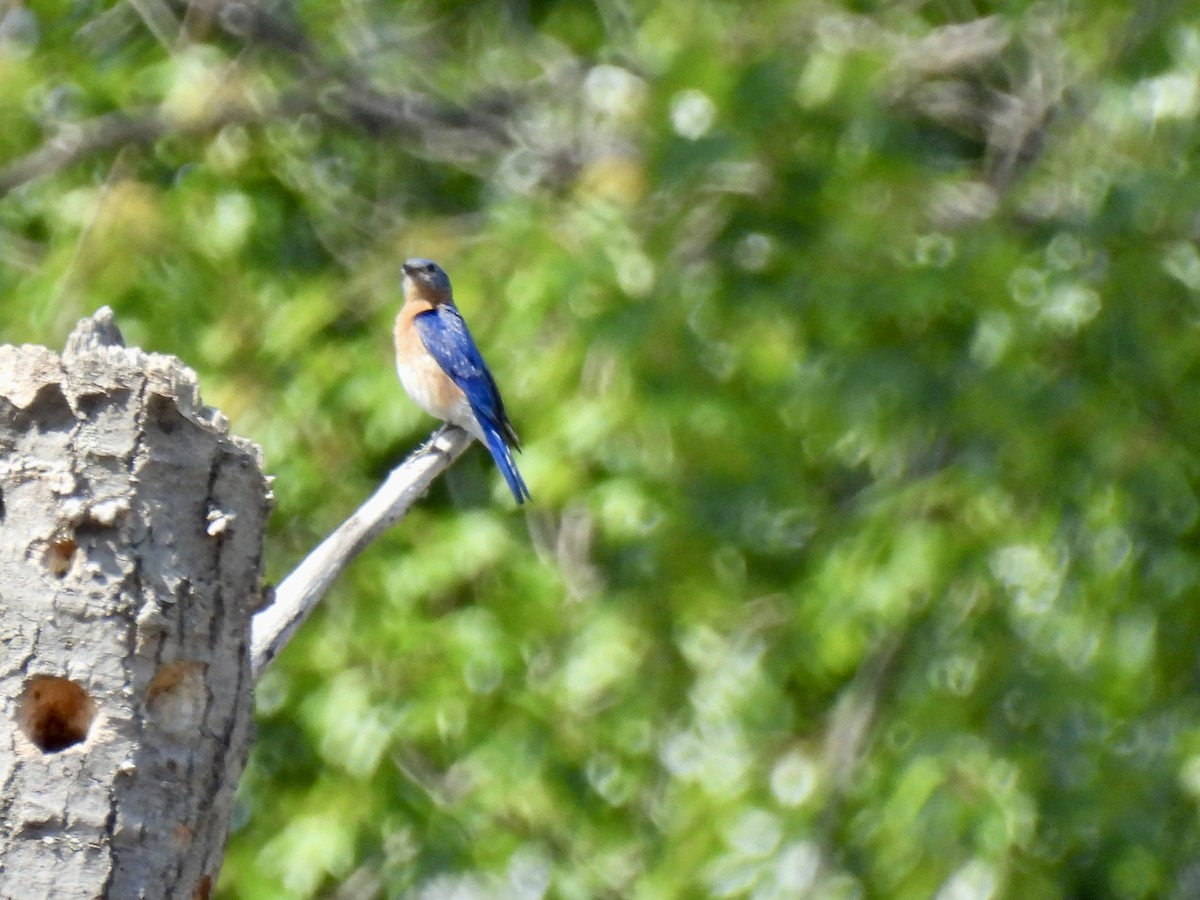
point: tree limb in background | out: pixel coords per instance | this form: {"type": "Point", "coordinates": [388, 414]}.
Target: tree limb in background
{"type": "Point", "coordinates": [360, 107]}
{"type": "Point", "coordinates": [338, 92]}
{"type": "Point", "coordinates": [110, 132]}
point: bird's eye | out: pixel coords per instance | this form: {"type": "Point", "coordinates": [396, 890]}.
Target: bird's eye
{"type": "Point", "coordinates": [430, 268]}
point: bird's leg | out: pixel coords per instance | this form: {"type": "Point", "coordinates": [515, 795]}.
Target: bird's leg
{"type": "Point", "coordinates": [435, 439]}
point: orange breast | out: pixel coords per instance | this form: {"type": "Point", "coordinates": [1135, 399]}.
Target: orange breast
{"type": "Point", "coordinates": [424, 380]}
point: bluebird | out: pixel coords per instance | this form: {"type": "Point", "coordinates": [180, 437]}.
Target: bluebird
{"type": "Point", "coordinates": [443, 371]}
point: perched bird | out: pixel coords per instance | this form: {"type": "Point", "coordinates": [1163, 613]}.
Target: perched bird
{"type": "Point", "coordinates": [443, 371]}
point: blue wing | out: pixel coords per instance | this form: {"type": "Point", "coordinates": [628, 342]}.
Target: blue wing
{"type": "Point", "coordinates": [445, 336]}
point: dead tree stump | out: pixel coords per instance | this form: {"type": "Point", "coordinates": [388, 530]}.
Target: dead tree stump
{"type": "Point", "coordinates": [131, 529]}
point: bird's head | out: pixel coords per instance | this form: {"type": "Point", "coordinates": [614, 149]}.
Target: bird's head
{"type": "Point", "coordinates": [425, 278]}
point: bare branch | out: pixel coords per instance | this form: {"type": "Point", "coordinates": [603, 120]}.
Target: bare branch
{"type": "Point", "coordinates": [79, 142]}
{"type": "Point", "coordinates": [338, 92]}
{"type": "Point", "coordinates": [440, 126]}
{"type": "Point", "coordinates": [300, 592]}
{"type": "Point", "coordinates": [110, 132]}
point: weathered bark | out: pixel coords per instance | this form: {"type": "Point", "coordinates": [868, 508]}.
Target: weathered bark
{"type": "Point", "coordinates": [131, 529]}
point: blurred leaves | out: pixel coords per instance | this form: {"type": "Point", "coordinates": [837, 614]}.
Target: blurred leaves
{"type": "Point", "coordinates": [852, 347]}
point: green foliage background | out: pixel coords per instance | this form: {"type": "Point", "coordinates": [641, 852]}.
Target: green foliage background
{"type": "Point", "coordinates": [854, 348]}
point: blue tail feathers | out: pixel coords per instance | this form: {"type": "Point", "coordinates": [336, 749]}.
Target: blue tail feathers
{"type": "Point", "coordinates": [504, 461]}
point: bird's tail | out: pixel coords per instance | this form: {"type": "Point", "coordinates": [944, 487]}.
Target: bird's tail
{"type": "Point", "coordinates": [504, 461]}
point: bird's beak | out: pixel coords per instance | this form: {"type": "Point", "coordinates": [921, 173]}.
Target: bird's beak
{"type": "Point", "coordinates": [406, 269]}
